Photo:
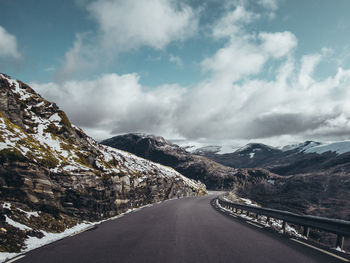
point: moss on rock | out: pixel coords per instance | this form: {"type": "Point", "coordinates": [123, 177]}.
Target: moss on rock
{"type": "Point", "coordinates": [11, 155]}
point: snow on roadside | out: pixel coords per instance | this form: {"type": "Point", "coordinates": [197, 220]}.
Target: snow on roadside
{"type": "Point", "coordinates": [34, 242]}
{"type": "Point", "coordinates": [246, 201]}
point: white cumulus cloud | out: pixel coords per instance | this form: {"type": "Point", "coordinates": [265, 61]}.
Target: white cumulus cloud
{"type": "Point", "coordinates": [115, 103]}
{"type": "Point", "coordinates": [8, 44]}
{"type": "Point", "coordinates": [308, 65]}
{"type": "Point", "coordinates": [124, 25]}
{"type": "Point", "coordinates": [128, 24]}
{"type": "Point", "coordinates": [269, 4]}
{"type": "Point", "coordinates": [233, 22]}
{"type": "Point", "coordinates": [236, 60]}
{"type": "Point", "coordinates": [278, 44]}
{"type": "Point", "coordinates": [176, 59]}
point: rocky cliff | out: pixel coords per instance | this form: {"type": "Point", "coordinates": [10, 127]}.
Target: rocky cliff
{"type": "Point", "coordinates": [53, 169]}
{"type": "Point", "coordinates": [213, 175]}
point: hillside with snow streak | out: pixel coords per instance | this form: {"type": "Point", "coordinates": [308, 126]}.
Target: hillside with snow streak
{"type": "Point", "coordinates": [52, 169]}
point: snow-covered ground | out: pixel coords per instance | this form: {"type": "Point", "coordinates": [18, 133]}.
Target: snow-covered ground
{"type": "Point", "coordinates": [194, 146]}
{"type": "Point", "coordinates": [300, 146]}
{"type": "Point", "coordinates": [338, 147]}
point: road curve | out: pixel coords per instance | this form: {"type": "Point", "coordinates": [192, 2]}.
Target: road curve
{"type": "Point", "coordinates": [184, 230]}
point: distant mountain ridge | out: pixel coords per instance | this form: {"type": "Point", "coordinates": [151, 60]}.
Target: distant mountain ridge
{"type": "Point", "coordinates": [305, 157]}
{"type": "Point", "coordinates": [339, 147]}
{"type": "Point", "coordinates": [157, 149]}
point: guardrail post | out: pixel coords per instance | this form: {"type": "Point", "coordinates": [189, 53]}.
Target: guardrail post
{"type": "Point", "coordinates": [306, 231]}
{"type": "Point", "coordinates": [340, 241]}
{"type": "Point", "coordinates": [284, 224]}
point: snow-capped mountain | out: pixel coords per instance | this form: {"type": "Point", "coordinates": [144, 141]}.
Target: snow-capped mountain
{"type": "Point", "coordinates": [252, 149]}
{"type": "Point", "coordinates": [53, 169]}
{"type": "Point", "coordinates": [300, 147]}
{"type": "Point", "coordinates": [248, 156]}
{"type": "Point", "coordinates": [336, 147]}
{"type": "Point", "coordinates": [202, 148]}
{"type": "Point", "coordinates": [207, 149]}
{"type": "Point", "coordinates": [298, 158]}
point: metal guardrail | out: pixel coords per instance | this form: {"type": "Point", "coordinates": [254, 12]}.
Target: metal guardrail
{"type": "Point", "coordinates": [339, 227]}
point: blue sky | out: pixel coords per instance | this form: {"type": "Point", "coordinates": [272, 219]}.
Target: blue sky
{"type": "Point", "coordinates": [199, 71]}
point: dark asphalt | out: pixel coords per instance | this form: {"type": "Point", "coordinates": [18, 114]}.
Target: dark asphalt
{"type": "Point", "coordinates": [184, 230]}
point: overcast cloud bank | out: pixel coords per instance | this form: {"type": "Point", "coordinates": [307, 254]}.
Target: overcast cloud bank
{"type": "Point", "coordinates": [233, 103]}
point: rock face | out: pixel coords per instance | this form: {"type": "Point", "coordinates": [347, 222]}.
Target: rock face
{"type": "Point", "coordinates": [50, 166]}
{"type": "Point", "coordinates": [214, 175]}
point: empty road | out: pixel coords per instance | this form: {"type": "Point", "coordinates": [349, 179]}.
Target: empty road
{"type": "Point", "coordinates": [184, 230]}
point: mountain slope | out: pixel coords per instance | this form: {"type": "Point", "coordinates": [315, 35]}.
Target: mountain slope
{"type": "Point", "coordinates": [214, 175]}
{"type": "Point", "coordinates": [52, 168]}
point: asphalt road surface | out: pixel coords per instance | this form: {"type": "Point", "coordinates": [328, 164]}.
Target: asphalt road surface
{"type": "Point", "coordinates": [184, 230]}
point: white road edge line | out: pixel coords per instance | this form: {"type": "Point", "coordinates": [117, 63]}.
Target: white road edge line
{"type": "Point", "coordinates": [254, 224]}
{"type": "Point", "coordinates": [320, 249]}
{"type": "Point", "coordinates": [15, 259]}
